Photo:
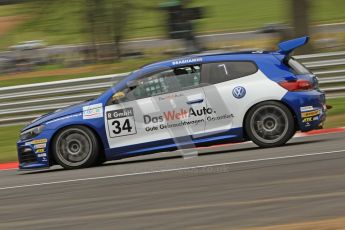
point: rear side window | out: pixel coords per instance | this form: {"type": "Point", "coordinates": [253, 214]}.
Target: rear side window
{"type": "Point", "coordinates": [226, 71]}
{"type": "Point", "coordinates": [297, 68]}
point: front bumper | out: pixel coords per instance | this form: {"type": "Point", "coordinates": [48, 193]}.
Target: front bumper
{"type": "Point", "coordinates": [33, 154]}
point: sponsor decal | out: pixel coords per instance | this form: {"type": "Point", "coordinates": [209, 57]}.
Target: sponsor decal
{"type": "Point", "coordinates": [180, 114]}
{"type": "Point", "coordinates": [170, 96]}
{"type": "Point", "coordinates": [39, 141]}
{"type": "Point", "coordinates": [217, 118]}
{"type": "Point", "coordinates": [121, 122]}
{"type": "Point", "coordinates": [310, 114]}
{"type": "Point", "coordinates": [40, 146]}
{"type": "Point", "coordinates": [42, 155]}
{"type": "Point", "coordinates": [186, 61]}
{"type": "Point", "coordinates": [93, 111]}
{"type": "Point", "coordinates": [310, 119]}
{"type": "Point", "coordinates": [307, 119]}
{"type": "Point", "coordinates": [239, 92]}
{"type": "Point", "coordinates": [64, 118]}
{"type": "Point", "coordinates": [174, 125]}
{"type": "Point", "coordinates": [182, 117]}
{"type": "Point", "coordinates": [306, 108]}
{"type": "Point", "coordinates": [40, 150]}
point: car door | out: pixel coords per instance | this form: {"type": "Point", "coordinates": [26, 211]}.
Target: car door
{"type": "Point", "coordinates": [157, 110]}
{"type": "Point", "coordinates": [226, 93]}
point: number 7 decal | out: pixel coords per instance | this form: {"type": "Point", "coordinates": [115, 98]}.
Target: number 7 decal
{"type": "Point", "coordinates": [224, 66]}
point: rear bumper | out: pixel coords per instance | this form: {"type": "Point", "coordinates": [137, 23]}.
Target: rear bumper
{"type": "Point", "coordinates": [308, 107]}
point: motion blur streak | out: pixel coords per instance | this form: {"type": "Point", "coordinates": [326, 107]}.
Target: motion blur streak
{"type": "Point", "coordinates": [224, 188]}
{"type": "Point", "coordinates": [172, 170]}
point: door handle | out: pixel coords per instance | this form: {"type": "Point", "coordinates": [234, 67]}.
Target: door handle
{"type": "Point", "coordinates": [197, 101]}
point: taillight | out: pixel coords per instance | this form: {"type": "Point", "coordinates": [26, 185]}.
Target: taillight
{"type": "Point", "coordinates": [299, 85]}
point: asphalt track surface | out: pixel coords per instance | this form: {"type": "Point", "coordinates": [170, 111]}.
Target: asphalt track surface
{"type": "Point", "coordinates": [227, 187]}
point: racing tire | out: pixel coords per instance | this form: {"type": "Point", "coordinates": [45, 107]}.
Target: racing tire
{"type": "Point", "coordinates": [75, 147]}
{"type": "Point", "coordinates": [269, 124]}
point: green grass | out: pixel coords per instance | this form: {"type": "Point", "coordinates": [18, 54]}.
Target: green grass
{"type": "Point", "coordinates": [125, 65]}
{"type": "Point", "coordinates": [11, 10]}
{"type": "Point", "coordinates": [62, 22]}
{"type": "Point", "coordinates": [338, 106]}
{"type": "Point", "coordinates": [9, 135]}
{"type": "Point", "coordinates": [336, 115]}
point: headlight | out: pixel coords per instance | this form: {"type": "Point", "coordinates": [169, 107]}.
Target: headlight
{"type": "Point", "coordinates": [31, 133]}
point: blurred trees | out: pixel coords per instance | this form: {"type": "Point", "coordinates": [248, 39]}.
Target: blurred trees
{"type": "Point", "coordinates": [120, 17]}
{"type": "Point", "coordinates": [301, 21]}
{"type": "Point", "coordinates": [180, 22]}
{"type": "Point", "coordinates": [105, 22]}
{"type": "Point", "coordinates": [8, 2]}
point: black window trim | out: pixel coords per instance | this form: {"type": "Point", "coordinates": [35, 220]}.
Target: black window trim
{"type": "Point", "coordinates": [205, 68]}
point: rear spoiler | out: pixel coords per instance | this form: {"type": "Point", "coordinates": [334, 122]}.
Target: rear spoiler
{"type": "Point", "coordinates": [287, 47]}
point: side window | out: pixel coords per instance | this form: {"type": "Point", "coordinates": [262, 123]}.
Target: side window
{"type": "Point", "coordinates": [152, 85]}
{"type": "Point", "coordinates": [226, 71]}
{"type": "Point", "coordinates": [167, 81]}
{"type": "Point", "coordinates": [187, 77]}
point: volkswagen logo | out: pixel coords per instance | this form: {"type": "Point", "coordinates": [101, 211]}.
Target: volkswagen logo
{"type": "Point", "coordinates": [239, 92]}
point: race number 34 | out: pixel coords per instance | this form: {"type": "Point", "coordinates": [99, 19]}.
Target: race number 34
{"type": "Point", "coordinates": [121, 122]}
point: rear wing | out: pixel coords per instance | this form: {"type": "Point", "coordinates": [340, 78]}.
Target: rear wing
{"type": "Point", "coordinates": [287, 47]}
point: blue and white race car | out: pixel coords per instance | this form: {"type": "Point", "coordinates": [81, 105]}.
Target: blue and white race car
{"type": "Point", "coordinates": [196, 100]}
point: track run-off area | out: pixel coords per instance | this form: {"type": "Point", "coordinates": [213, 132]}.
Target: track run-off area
{"type": "Point", "coordinates": [220, 187]}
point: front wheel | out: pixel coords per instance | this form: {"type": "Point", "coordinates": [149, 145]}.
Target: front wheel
{"type": "Point", "coordinates": [269, 124]}
{"type": "Point", "coordinates": [75, 147]}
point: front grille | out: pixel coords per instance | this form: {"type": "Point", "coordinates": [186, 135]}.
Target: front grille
{"type": "Point", "coordinates": [27, 155]}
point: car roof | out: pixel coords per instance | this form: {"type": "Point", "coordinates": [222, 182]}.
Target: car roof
{"type": "Point", "coordinates": [199, 58]}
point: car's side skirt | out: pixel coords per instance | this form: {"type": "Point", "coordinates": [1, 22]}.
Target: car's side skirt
{"type": "Point", "coordinates": [232, 135]}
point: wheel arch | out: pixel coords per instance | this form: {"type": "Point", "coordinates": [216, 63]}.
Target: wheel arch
{"type": "Point", "coordinates": [278, 101]}
{"type": "Point", "coordinates": [93, 130]}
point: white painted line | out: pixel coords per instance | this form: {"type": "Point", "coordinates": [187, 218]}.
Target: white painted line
{"type": "Point", "coordinates": [169, 170]}
{"type": "Point", "coordinates": [226, 34]}
{"type": "Point", "coordinates": [297, 135]}
{"type": "Point", "coordinates": [331, 24]}
{"type": "Point", "coordinates": [10, 169]}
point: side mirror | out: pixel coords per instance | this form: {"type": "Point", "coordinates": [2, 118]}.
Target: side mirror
{"type": "Point", "coordinates": [118, 96]}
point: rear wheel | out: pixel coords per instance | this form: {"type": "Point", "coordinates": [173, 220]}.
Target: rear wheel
{"type": "Point", "coordinates": [269, 124]}
{"type": "Point", "coordinates": [76, 147]}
